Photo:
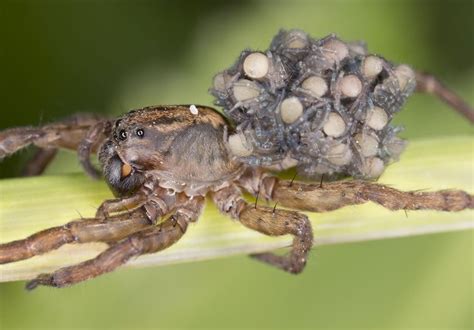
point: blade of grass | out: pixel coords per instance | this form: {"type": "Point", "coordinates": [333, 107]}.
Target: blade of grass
{"type": "Point", "coordinates": [31, 204]}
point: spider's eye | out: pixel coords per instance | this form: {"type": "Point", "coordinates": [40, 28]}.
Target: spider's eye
{"type": "Point", "coordinates": [122, 135]}
{"type": "Point", "coordinates": [140, 132]}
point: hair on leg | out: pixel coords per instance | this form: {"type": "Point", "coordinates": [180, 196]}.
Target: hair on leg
{"type": "Point", "coordinates": [334, 195]}
{"type": "Point", "coordinates": [79, 231]}
{"type": "Point", "coordinates": [272, 222]}
{"type": "Point", "coordinates": [67, 133]}
{"type": "Point", "coordinates": [149, 240]}
{"type": "Point", "coordinates": [94, 137]}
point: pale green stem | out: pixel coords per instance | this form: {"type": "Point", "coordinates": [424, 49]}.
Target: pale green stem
{"type": "Point", "coordinates": [31, 204]}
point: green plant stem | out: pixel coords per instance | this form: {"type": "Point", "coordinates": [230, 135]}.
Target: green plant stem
{"type": "Point", "coordinates": [31, 204]}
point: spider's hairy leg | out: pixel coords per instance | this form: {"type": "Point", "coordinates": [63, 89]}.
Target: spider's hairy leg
{"type": "Point", "coordinates": [79, 231]}
{"type": "Point", "coordinates": [40, 160]}
{"type": "Point", "coordinates": [145, 211]}
{"type": "Point", "coordinates": [149, 240]}
{"type": "Point", "coordinates": [14, 139]}
{"type": "Point", "coordinates": [272, 222]}
{"type": "Point", "coordinates": [66, 134]}
{"type": "Point", "coordinates": [334, 195]}
{"type": "Point", "coordinates": [109, 206]}
{"type": "Point", "coordinates": [90, 141]}
{"type": "Point", "coordinates": [428, 83]}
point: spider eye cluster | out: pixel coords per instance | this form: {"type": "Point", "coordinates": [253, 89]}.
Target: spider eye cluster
{"type": "Point", "coordinates": [123, 135]}
{"type": "Point", "coordinates": [323, 105]}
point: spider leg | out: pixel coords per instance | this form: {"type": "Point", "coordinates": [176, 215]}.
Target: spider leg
{"type": "Point", "coordinates": [94, 137]}
{"type": "Point", "coordinates": [79, 231]}
{"type": "Point", "coordinates": [121, 204]}
{"type": "Point", "coordinates": [334, 195]}
{"type": "Point", "coordinates": [149, 240]}
{"type": "Point", "coordinates": [66, 134]}
{"type": "Point", "coordinates": [38, 163]}
{"type": "Point", "coordinates": [428, 83]}
{"type": "Point", "coordinates": [14, 139]}
{"type": "Point", "coordinates": [272, 222]}
{"type": "Point", "coordinates": [156, 201]}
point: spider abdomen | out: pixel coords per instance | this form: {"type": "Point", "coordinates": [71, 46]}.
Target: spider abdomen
{"type": "Point", "coordinates": [323, 105]}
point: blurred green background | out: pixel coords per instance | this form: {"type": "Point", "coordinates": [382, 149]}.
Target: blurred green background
{"type": "Point", "coordinates": [61, 57]}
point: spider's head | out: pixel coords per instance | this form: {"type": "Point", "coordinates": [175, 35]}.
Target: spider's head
{"type": "Point", "coordinates": [122, 177]}
{"type": "Point", "coordinates": [131, 150]}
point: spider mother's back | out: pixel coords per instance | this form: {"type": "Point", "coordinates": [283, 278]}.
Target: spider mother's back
{"type": "Point", "coordinates": [322, 105]}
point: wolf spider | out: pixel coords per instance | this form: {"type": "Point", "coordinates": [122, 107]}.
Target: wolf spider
{"type": "Point", "coordinates": [161, 162]}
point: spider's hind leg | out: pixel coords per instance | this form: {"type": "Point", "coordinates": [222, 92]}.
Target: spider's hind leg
{"type": "Point", "coordinates": [334, 195]}
{"type": "Point", "coordinates": [272, 222]}
{"type": "Point", "coordinates": [428, 83]}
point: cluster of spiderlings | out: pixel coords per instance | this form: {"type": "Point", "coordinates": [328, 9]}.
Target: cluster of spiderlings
{"type": "Point", "coordinates": [322, 105]}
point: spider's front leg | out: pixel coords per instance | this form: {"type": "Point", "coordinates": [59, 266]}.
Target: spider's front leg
{"type": "Point", "coordinates": [272, 222]}
{"type": "Point", "coordinates": [142, 210]}
{"type": "Point", "coordinates": [149, 240]}
{"type": "Point", "coordinates": [79, 231]}
{"type": "Point", "coordinates": [89, 143]}
{"type": "Point", "coordinates": [333, 195]}
{"type": "Point", "coordinates": [68, 134]}
{"type": "Point", "coordinates": [40, 160]}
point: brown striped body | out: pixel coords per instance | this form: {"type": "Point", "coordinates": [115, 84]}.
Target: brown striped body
{"type": "Point", "coordinates": [184, 150]}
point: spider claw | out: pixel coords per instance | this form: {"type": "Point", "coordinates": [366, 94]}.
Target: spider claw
{"type": "Point", "coordinates": [31, 285]}
{"type": "Point", "coordinates": [42, 279]}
